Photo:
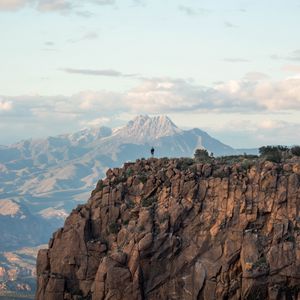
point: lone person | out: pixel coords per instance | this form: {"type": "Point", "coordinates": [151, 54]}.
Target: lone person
{"type": "Point", "coordinates": [152, 151]}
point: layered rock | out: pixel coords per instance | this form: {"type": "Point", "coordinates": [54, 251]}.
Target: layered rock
{"type": "Point", "coordinates": [160, 229]}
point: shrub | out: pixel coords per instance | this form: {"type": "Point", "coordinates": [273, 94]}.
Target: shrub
{"type": "Point", "coordinates": [201, 155]}
{"type": "Point", "coordinates": [232, 159]}
{"type": "Point", "coordinates": [219, 173]}
{"type": "Point", "coordinates": [185, 163]}
{"type": "Point", "coordinates": [129, 172]}
{"type": "Point", "coordinates": [272, 153]}
{"type": "Point", "coordinates": [296, 150]}
{"type": "Point", "coordinates": [142, 178]}
{"type": "Point", "coordinates": [246, 164]}
{"type": "Point", "coordinates": [290, 238]}
{"type": "Point", "coordinates": [165, 160]}
{"type": "Point", "coordinates": [130, 203]}
{"type": "Point", "coordinates": [100, 185]}
{"type": "Point", "coordinates": [114, 228]}
{"type": "Point", "coordinates": [146, 202]}
{"type": "Point", "coordinates": [120, 179]}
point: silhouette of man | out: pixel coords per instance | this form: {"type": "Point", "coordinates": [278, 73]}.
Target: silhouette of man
{"type": "Point", "coordinates": [152, 151]}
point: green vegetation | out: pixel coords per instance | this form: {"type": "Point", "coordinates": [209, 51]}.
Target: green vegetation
{"type": "Point", "coordinates": [146, 202]}
{"type": "Point", "coordinates": [185, 163]}
{"type": "Point", "coordinates": [100, 185]}
{"type": "Point", "coordinates": [165, 160]}
{"type": "Point", "coordinates": [295, 150]}
{"type": "Point", "coordinates": [278, 153]}
{"type": "Point", "coordinates": [129, 172]}
{"type": "Point", "coordinates": [232, 159]}
{"type": "Point", "coordinates": [114, 228]}
{"type": "Point", "coordinates": [201, 155]}
{"type": "Point", "coordinates": [126, 222]}
{"type": "Point", "coordinates": [247, 164]}
{"type": "Point", "coordinates": [290, 238]}
{"type": "Point", "coordinates": [120, 179]}
{"type": "Point", "coordinates": [272, 153]}
{"type": "Point", "coordinates": [130, 203]}
{"type": "Point", "coordinates": [219, 173]}
{"type": "Point", "coordinates": [142, 178]}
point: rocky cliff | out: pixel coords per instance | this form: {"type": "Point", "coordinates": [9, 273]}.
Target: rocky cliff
{"type": "Point", "coordinates": [161, 229]}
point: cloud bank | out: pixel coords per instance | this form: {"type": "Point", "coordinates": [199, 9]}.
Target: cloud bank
{"type": "Point", "coordinates": [157, 95]}
{"type": "Point", "coordinates": [49, 5]}
{"type": "Point", "coordinates": [255, 94]}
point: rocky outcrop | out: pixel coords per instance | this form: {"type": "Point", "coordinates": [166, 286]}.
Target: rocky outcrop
{"type": "Point", "coordinates": [161, 229]}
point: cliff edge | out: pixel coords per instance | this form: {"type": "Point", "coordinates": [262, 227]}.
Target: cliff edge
{"type": "Point", "coordinates": [169, 229]}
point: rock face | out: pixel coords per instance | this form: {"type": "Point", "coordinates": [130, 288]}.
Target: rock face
{"type": "Point", "coordinates": [159, 229]}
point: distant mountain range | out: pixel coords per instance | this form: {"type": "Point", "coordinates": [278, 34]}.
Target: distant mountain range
{"type": "Point", "coordinates": [46, 178]}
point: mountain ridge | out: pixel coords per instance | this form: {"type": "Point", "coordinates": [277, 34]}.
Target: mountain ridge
{"type": "Point", "coordinates": [59, 172]}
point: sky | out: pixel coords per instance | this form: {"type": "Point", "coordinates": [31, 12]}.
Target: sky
{"type": "Point", "coordinates": [230, 67]}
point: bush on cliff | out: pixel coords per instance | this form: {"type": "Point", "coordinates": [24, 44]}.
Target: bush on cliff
{"type": "Point", "coordinates": [272, 153]}
{"type": "Point", "coordinates": [295, 150]}
{"type": "Point", "coordinates": [201, 155]}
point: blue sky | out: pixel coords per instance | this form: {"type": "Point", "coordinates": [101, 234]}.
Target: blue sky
{"type": "Point", "coordinates": [229, 67]}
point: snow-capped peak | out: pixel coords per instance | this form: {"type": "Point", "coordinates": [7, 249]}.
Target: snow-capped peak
{"type": "Point", "coordinates": [145, 128]}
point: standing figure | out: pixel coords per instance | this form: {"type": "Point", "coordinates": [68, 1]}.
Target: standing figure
{"type": "Point", "coordinates": [152, 151]}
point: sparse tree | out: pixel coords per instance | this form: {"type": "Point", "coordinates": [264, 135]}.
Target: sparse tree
{"type": "Point", "coordinates": [201, 155]}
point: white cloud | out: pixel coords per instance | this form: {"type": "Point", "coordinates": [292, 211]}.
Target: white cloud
{"type": "Point", "coordinates": [54, 5]}
{"type": "Point", "coordinates": [104, 2]}
{"type": "Point", "coordinates": [5, 105]}
{"type": "Point", "coordinates": [291, 68]}
{"type": "Point", "coordinates": [51, 5]}
{"type": "Point", "coordinates": [170, 95]}
{"type": "Point", "coordinates": [12, 4]}
{"type": "Point", "coordinates": [96, 122]}
{"type": "Point", "coordinates": [264, 95]}
{"type": "Point", "coordinates": [167, 95]}
{"type": "Point", "coordinates": [99, 102]}
{"type": "Point", "coordinates": [256, 76]}
{"type": "Point", "coordinates": [38, 116]}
